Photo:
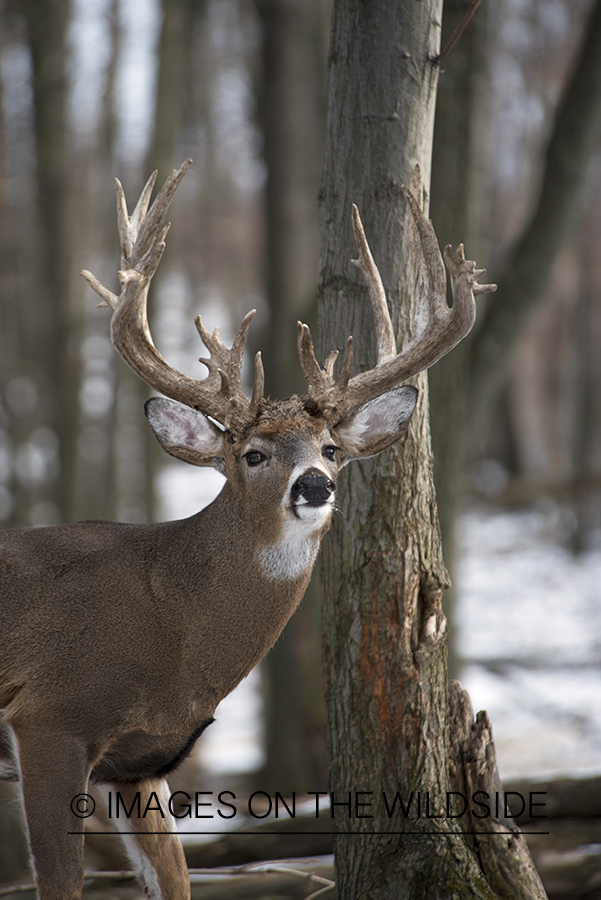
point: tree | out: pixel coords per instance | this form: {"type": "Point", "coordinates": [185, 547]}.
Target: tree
{"type": "Point", "coordinates": [573, 141]}
{"type": "Point", "coordinates": [47, 25]}
{"type": "Point", "coordinates": [393, 723]}
{"type": "Point", "coordinates": [175, 48]}
{"type": "Point", "coordinates": [290, 112]}
{"type": "Point", "coordinates": [466, 386]}
{"type": "Point", "coordinates": [456, 174]}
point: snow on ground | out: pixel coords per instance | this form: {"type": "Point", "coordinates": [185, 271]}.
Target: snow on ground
{"type": "Point", "coordinates": [529, 621]}
{"type": "Point", "coordinates": [529, 628]}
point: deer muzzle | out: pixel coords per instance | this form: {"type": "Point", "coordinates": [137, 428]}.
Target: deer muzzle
{"type": "Point", "coordinates": [313, 488]}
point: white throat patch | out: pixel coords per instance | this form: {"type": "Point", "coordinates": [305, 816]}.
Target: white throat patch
{"type": "Point", "coordinates": [292, 555]}
{"type": "Point", "coordinates": [297, 548]}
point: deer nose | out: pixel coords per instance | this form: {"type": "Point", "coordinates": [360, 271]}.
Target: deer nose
{"type": "Point", "coordinates": [313, 488]}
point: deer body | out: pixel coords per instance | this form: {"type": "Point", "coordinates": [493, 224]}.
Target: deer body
{"type": "Point", "coordinates": [118, 641]}
{"type": "Point", "coordinates": [209, 595]}
{"type": "Point", "coordinates": [140, 623]}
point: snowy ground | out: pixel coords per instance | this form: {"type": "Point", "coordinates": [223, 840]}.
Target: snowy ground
{"type": "Point", "coordinates": [529, 624]}
{"type": "Point", "coordinates": [530, 630]}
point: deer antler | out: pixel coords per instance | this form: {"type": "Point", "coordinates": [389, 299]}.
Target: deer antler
{"type": "Point", "coordinates": [437, 328]}
{"type": "Point", "coordinates": [142, 238]}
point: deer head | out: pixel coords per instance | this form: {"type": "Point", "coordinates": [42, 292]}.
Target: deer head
{"type": "Point", "coordinates": [285, 455]}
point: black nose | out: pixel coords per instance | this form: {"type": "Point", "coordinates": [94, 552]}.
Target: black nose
{"type": "Point", "coordinates": [314, 488]}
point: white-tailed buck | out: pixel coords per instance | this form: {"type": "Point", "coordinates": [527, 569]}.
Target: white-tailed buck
{"type": "Point", "coordinates": [118, 641]}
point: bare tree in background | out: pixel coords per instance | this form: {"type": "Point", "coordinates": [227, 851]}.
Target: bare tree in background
{"type": "Point", "coordinates": [175, 46]}
{"type": "Point", "coordinates": [47, 22]}
{"type": "Point", "coordinates": [466, 385]}
{"type": "Point", "coordinates": [39, 377]}
{"type": "Point", "coordinates": [291, 113]}
{"type": "Point", "coordinates": [171, 96]}
{"type": "Point", "coordinates": [574, 138]}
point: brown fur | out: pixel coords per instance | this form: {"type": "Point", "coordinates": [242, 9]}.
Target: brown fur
{"type": "Point", "coordinates": [118, 642]}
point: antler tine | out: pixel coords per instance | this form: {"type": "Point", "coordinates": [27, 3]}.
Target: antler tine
{"type": "Point", "coordinates": [318, 379]}
{"type": "Point", "coordinates": [226, 366]}
{"type": "Point", "coordinates": [323, 387]}
{"type": "Point", "coordinates": [149, 226]}
{"type": "Point", "coordinates": [436, 328]}
{"type": "Point", "coordinates": [346, 368]}
{"type": "Point", "coordinates": [142, 239]}
{"type": "Point", "coordinates": [139, 213]}
{"type": "Point", "coordinates": [138, 232]}
{"type": "Point", "coordinates": [328, 366]}
{"type": "Point", "coordinates": [129, 226]}
{"type": "Point", "coordinates": [259, 385]}
{"type": "Point", "coordinates": [429, 278]}
{"type": "Point", "coordinates": [365, 263]}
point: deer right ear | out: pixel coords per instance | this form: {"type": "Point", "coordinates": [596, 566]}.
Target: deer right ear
{"type": "Point", "coordinates": [185, 433]}
{"type": "Point", "coordinates": [375, 425]}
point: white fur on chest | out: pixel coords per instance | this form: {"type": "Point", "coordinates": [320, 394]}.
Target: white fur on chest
{"type": "Point", "coordinates": [291, 556]}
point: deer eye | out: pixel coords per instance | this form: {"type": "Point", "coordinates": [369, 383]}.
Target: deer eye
{"type": "Point", "coordinates": [254, 457]}
{"type": "Point", "coordinates": [330, 452]}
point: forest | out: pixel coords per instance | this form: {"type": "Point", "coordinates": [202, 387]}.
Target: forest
{"type": "Point", "coordinates": [96, 89]}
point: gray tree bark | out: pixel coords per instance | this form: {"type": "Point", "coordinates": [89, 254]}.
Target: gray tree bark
{"type": "Point", "coordinates": [456, 208]}
{"type": "Point", "coordinates": [174, 54]}
{"type": "Point", "coordinates": [291, 106]}
{"type": "Point", "coordinates": [47, 23]}
{"type": "Point", "coordinates": [175, 47]}
{"type": "Point", "coordinates": [389, 727]}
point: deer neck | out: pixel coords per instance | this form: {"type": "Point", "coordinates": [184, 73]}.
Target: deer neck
{"type": "Point", "coordinates": [266, 572]}
{"type": "Point", "coordinates": [270, 549]}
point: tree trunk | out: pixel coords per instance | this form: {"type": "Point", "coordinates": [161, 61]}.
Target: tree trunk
{"type": "Point", "coordinates": [291, 100]}
{"type": "Point", "coordinates": [174, 55]}
{"type": "Point", "coordinates": [456, 207]}
{"type": "Point", "coordinates": [384, 630]}
{"type": "Point", "coordinates": [291, 95]}
{"type": "Point", "coordinates": [522, 282]}
{"type": "Point", "coordinates": [47, 24]}
{"type": "Point", "coordinates": [175, 49]}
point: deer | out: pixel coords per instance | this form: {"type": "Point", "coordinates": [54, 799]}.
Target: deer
{"type": "Point", "coordinates": [120, 640]}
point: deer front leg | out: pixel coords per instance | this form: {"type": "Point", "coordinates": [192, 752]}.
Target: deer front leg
{"type": "Point", "coordinates": [141, 813]}
{"type": "Point", "coordinates": [53, 770]}
{"type": "Point", "coordinates": [8, 766]}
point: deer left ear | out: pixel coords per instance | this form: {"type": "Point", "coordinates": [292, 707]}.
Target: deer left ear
{"type": "Point", "coordinates": [377, 424]}
{"type": "Point", "coordinates": [185, 433]}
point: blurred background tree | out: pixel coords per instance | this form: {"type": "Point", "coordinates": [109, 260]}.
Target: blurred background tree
{"type": "Point", "coordinates": [492, 375]}
{"type": "Point", "coordinates": [116, 87]}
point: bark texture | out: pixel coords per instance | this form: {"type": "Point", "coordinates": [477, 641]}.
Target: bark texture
{"type": "Point", "coordinates": [456, 207]}
{"type": "Point", "coordinates": [384, 629]}
{"type": "Point", "coordinates": [47, 26]}
{"type": "Point", "coordinates": [291, 101]}
{"type": "Point", "coordinates": [291, 107]}
{"type": "Point", "coordinates": [498, 843]}
{"type": "Point", "coordinates": [171, 94]}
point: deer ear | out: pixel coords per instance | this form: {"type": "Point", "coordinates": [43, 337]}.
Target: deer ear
{"type": "Point", "coordinates": [377, 424]}
{"type": "Point", "coordinates": [185, 433]}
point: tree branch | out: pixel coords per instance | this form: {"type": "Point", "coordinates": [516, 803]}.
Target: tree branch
{"type": "Point", "coordinates": [459, 31]}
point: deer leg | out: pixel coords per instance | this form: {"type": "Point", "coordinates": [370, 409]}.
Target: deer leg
{"type": "Point", "coordinates": [53, 770]}
{"type": "Point", "coordinates": [141, 813]}
{"type": "Point", "coordinates": [8, 765]}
